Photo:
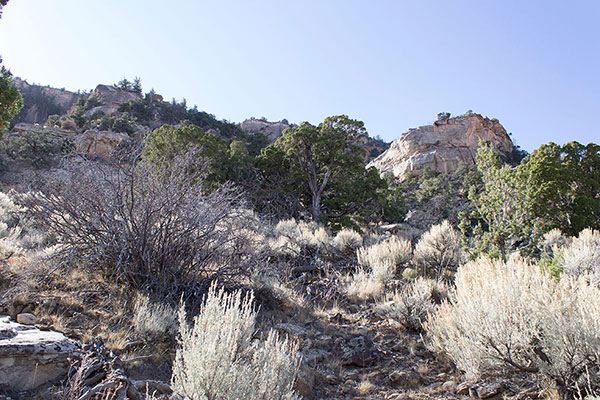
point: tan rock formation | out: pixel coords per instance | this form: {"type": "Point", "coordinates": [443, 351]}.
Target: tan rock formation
{"type": "Point", "coordinates": [99, 143]}
{"type": "Point", "coordinates": [30, 357]}
{"type": "Point", "coordinates": [442, 146]}
{"type": "Point", "coordinates": [111, 97]}
{"type": "Point", "coordinates": [272, 130]}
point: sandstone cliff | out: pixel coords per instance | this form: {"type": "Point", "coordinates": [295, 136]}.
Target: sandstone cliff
{"type": "Point", "coordinates": [442, 146]}
{"type": "Point", "coordinates": [41, 102]}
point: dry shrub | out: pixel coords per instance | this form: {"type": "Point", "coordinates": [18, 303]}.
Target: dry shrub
{"type": "Point", "coordinates": [152, 227]}
{"type": "Point", "coordinates": [69, 125]}
{"type": "Point", "coordinates": [411, 304]}
{"type": "Point", "coordinates": [552, 241]}
{"type": "Point", "coordinates": [395, 251]}
{"type": "Point", "coordinates": [154, 320]}
{"type": "Point", "coordinates": [293, 238]}
{"type": "Point", "coordinates": [367, 284]}
{"type": "Point", "coordinates": [218, 358]}
{"type": "Point", "coordinates": [17, 232]}
{"type": "Point", "coordinates": [514, 317]}
{"type": "Point", "coordinates": [347, 241]}
{"type": "Point", "coordinates": [437, 253]}
{"type": "Point", "coordinates": [582, 255]}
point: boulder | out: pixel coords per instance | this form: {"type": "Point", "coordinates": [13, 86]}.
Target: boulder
{"type": "Point", "coordinates": [99, 143]}
{"type": "Point", "coordinates": [442, 146]}
{"type": "Point", "coordinates": [30, 358]}
{"type": "Point", "coordinates": [27, 319]}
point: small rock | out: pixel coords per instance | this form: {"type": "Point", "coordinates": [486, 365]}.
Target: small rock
{"type": "Point", "coordinates": [27, 319]}
{"type": "Point", "coordinates": [463, 389]}
{"type": "Point", "coordinates": [312, 356]}
{"type": "Point", "coordinates": [292, 329]}
{"type": "Point", "coordinates": [404, 378]}
{"type": "Point", "coordinates": [331, 379]}
{"type": "Point", "coordinates": [350, 382]}
{"type": "Point", "coordinates": [449, 386]}
{"type": "Point", "coordinates": [358, 350]}
{"type": "Point", "coordinates": [490, 390]}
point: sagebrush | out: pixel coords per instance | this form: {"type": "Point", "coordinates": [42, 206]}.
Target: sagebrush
{"type": "Point", "coordinates": [219, 359]}
{"type": "Point", "coordinates": [513, 316]}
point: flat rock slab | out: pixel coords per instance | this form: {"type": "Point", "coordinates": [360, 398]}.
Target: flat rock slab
{"type": "Point", "coordinates": [30, 357]}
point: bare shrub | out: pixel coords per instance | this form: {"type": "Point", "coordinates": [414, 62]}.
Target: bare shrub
{"type": "Point", "coordinates": [582, 256]}
{"type": "Point", "coordinates": [411, 304]}
{"type": "Point", "coordinates": [395, 251]}
{"type": "Point", "coordinates": [512, 316]}
{"type": "Point", "coordinates": [438, 251]}
{"type": "Point", "coordinates": [347, 241]}
{"type": "Point", "coordinates": [366, 284]}
{"type": "Point", "coordinates": [218, 359]}
{"type": "Point", "coordinates": [154, 320]}
{"type": "Point", "coordinates": [153, 227]}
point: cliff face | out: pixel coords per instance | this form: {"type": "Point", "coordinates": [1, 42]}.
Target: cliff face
{"type": "Point", "coordinates": [41, 102]}
{"type": "Point", "coordinates": [442, 146]}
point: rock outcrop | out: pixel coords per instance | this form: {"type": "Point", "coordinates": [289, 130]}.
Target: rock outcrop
{"type": "Point", "coordinates": [442, 146]}
{"type": "Point", "coordinates": [111, 98]}
{"type": "Point", "coordinates": [30, 357]}
{"type": "Point", "coordinates": [42, 101]}
{"type": "Point", "coordinates": [97, 143]}
{"type": "Point", "coordinates": [272, 130]}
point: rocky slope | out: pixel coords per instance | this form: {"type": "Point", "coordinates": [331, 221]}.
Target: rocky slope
{"type": "Point", "coordinates": [42, 101]}
{"type": "Point", "coordinates": [442, 146]}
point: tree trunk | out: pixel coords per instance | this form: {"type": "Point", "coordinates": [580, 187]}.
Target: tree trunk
{"type": "Point", "coordinates": [316, 206]}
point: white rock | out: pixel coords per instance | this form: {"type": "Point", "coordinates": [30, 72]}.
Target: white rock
{"type": "Point", "coordinates": [442, 146]}
{"type": "Point", "coordinates": [32, 357]}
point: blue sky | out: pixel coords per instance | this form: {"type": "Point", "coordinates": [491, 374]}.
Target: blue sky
{"type": "Point", "coordinates": [534, 65]}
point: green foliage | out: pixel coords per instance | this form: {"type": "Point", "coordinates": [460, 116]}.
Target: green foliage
{"type": "Point", "coordinates": [501, 220]}
{"type": "Point", "coordinates": [166, 142]}
{"type": "Point", "coordinates": [53, 121]}
{"type": "Point", "coordinates": [137, 85]}
{"type": "Point", "coordinates": [564, 187]}
{"type": "Point", "coordinates": [323, 169]}
{"type": "Point", "coordinates": [124, 124]}
{"type": "Point", "coordinates": [34, 146]}
{"type": "Point", "coordinates": [139, 109]}
{"type": "Point", "coordinates": [78, 115]}
{"type": "Point", "coordinates": [124, 84]}
{"type": "Point", "coordinates": [11, 101]}
{"type": "Point", "coordinates": [92, 101]}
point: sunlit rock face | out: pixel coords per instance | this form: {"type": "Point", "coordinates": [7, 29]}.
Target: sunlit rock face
{"type": "Point", "coordinates": [272, 130]}
{"type": "Point", "coordinates": [442, 146]}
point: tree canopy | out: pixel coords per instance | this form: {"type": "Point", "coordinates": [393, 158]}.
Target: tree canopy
{"type": "Point", "coordinates": [325, 168]}
{"type": "Point", "coordinates": [11, 101]}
